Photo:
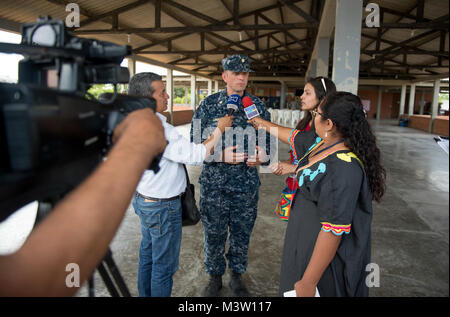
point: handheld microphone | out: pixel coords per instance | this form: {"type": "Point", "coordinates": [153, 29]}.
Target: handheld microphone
{"type": "Point", "coordinates": [249, 107]}
{"type": "Point", "coordinates": [233, 104]}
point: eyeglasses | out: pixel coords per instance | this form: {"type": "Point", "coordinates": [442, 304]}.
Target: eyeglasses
{"type": "Point", "coordinates": [315, 113]}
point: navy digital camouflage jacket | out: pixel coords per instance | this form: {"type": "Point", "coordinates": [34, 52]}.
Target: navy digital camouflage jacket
{"type": "Point", "coordinates": [239, 177]}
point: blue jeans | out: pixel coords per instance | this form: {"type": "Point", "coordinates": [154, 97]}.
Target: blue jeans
{"type": "Point", "coordinates": [160, 245]}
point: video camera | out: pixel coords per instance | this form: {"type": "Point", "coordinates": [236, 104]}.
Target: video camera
{"type": "Point", "coordinates": [52, 132]}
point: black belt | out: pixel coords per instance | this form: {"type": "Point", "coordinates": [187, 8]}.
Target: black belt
{"type": "Point", "coordinates": [159, 199]}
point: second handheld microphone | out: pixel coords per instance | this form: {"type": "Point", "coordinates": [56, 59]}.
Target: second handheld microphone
{"type": "Point", "coordinates": [233, 104]}
{"type": "Point", "coordinates": [249, 107]}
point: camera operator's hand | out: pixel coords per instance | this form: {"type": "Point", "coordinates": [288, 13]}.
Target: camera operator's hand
{"type": "Point", "coordinates": [144, 128]}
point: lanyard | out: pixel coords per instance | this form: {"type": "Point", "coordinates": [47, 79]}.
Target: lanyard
{"type": "Point", "coordinates": [328, 147]}
{"type": "Point", "coordinates": [305, 159]}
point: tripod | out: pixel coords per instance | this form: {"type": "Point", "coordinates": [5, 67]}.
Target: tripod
{"type": "Point", "coordinates": [109, 271]}
{"type": "Point", "coordinates": [107, 268]}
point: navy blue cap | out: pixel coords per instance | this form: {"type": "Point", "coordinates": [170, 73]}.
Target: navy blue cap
{"type": "Point", "coordinates": [236, 63]}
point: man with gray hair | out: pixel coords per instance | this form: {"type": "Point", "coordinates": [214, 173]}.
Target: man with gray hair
{"type": "Point", "coordinates": [157, 200]}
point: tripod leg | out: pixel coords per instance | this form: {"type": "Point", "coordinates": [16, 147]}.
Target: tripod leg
{"type": "Point", "coordinates": [107, 280]}
{"type": "Point", "coordinates": [114, 270]}
{"type": "Point", "coordinates": [91, 288]}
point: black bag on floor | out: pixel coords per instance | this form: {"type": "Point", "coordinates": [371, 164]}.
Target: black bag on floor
{"type": "Point", "coordinates": [191, 214]}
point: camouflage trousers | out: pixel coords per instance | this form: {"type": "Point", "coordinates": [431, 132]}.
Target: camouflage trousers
{"type": "Point", "coordinates": [224, 212]}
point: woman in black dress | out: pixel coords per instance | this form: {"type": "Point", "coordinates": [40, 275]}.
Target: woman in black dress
{"type": "Point", "coordinates": [327, 243]}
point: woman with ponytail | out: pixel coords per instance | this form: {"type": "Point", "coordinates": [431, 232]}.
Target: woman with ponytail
{"type": "Point", "coordinates": [303, 135]}
{"type": "Point", "coordinates": [315, 90]}
{"type": "Point", "coordinates": [327, 244]}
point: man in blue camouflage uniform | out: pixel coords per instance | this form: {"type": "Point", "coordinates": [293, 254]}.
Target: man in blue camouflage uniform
{"type": "Point", "coordinates": [229, 182]}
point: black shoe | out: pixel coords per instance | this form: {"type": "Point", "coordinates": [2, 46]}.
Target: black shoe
{"type": "Point", "coordinates": [213, 287]}
{"type": "Point", "coordinates": [237, 285]}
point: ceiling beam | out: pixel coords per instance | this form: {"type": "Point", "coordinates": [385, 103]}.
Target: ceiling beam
{"type": "Point", "coordinates": [169, 66]}
{"type": "Point", "coordinates": [430, 78]}
{"type": "Point", "coordinates": [236, 12]}
{"type": "Point", "coordinates": [112, 21]}
{"type": "Point", "coordinates": [270, 21]}
{"type": "Point", "coordinates": [415, 51]}
{"type": "Point", "coordinates": [194, 53]}
{"type": "Point", "coordinates": [192, 12]}
{"type": "Point", "coordinates": [186, 33]}
{"type": "Point", "coordinates": [235, 16]}
{"type": "Point", "coordinates": [300, 12]}
{"type": "Point", "coordinates": [412, 26]}
{"type": "Point", "coordinates": [197, 29]}
{"type": "Point", "coordinates": [128, 7]}
{"type": "Point", "coordinates": [392, 43]}
{"type": "Point", "coordinates": [383, 10]}
{"type": "Point", "coordinates": [146, 37]}
{"type": "Point", "coordinates": [157, 13]}
{"type": "Point", "coordinates": [388, 50]}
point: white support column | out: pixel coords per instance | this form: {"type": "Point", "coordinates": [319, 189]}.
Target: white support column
{"type": "Point", "coordinates": [347, 45]}
{"type": "Point", "coordinates": [209, 87]}
{"type": "Point", "coordinates": [402, 101]}
{"type": "Point", "coordinates": [216, 86]}
{"type": "Point", "coordinates": [283, 95]}
{"type": "Point", "coordinates": [319, 61]}
{"type": "Point", "coordinates": [323, 56]}
{"type": "Point", "coordinates": [169, 90]}
{"type": "Point", "coordinates": [132, 65]}
{"type": "Point", "coordinates": [435, 103]}
{"type": "Point", "coordinates": [186, 93]}
{"type": "Point", "coordinates": [422, 102]}
{"type": "Point", "coordinates": [312, 70]}
{"type": "Point", "coordinates": [380, 97]}
{"type": "Point", "coordinates": [193, 92]}
{"type": "Point", "coordinates": [412, 95]}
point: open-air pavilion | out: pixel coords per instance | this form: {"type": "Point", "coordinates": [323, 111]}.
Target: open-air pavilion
{"type": "Point", "coordinates": [393, 54]}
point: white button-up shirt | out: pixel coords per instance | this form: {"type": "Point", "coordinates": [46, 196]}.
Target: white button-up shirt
{"type": "Point", "coordinates": [170, 180]}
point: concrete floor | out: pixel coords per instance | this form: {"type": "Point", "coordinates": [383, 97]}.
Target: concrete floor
{"type": "Point", "coordinates": [410, 231]}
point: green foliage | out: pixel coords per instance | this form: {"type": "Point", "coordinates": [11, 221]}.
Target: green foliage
{"type": "Point", "coordinates": [97, 90]}
{"type": "Point", "coordinates": [178, 92]}
{"type": "Point", "coordinates": [179, 100]}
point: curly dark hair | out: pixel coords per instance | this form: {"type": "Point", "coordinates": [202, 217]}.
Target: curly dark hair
{"type": "Point", "coordinates": [320, 92]}
{"type": "Point", "coordinates": [347, 113]}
